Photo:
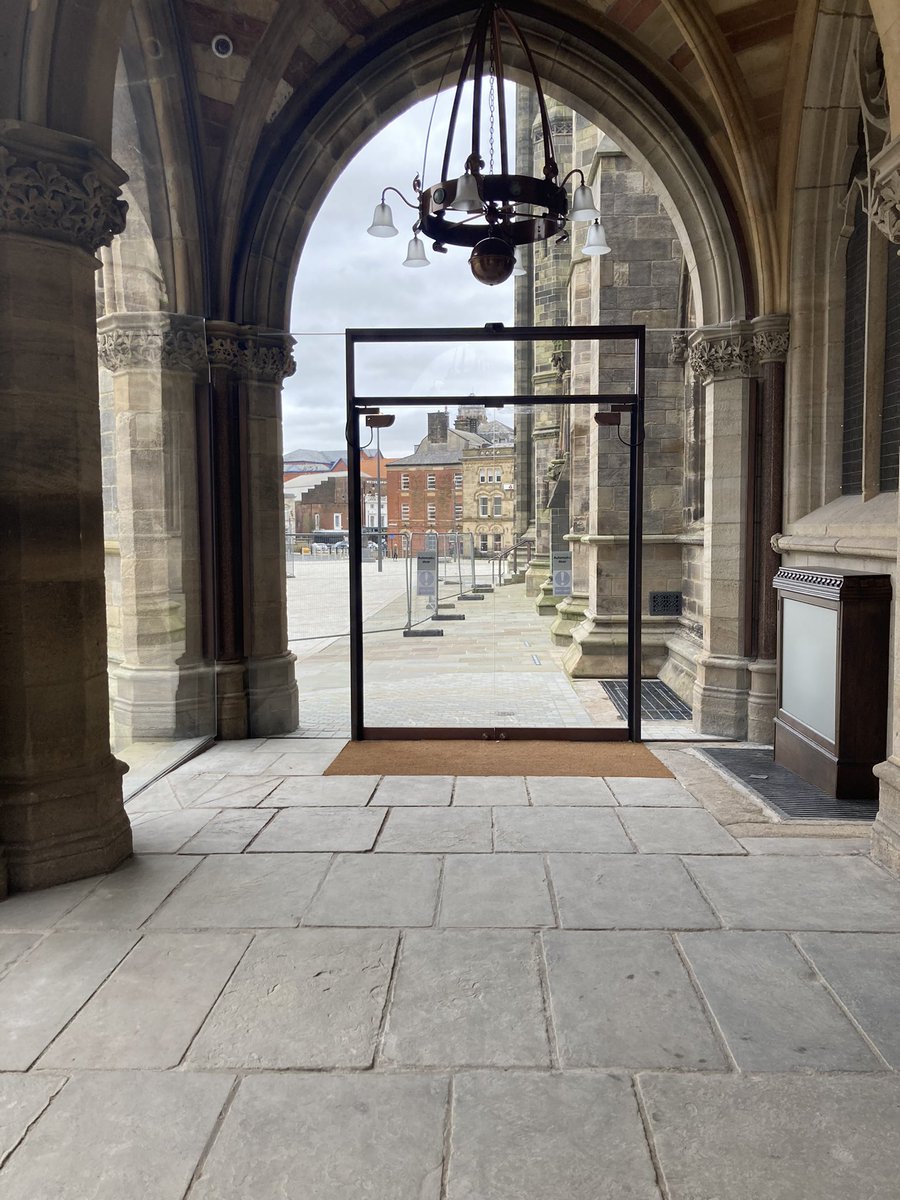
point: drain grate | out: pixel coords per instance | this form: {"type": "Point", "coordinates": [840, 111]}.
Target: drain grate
{"type": "Point", "coordinates": [658, 701]}
{"type": "Point", "coordinates": [784, 791]}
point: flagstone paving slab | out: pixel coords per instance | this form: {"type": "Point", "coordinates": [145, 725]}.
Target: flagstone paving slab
{"type": "Point", "coordinates": [306, 829]}
{"type": "Point", "coordinates": [42, 993]}
{"type": "Point", "coordinates": [436, 831]}
{"type": "Point", "coordinates": [784, 892]}
{"type": "Point", "coordinates": [466, 998]}
{"type": "Point", "coordinates": [378, 890]}
{"type": "Point", "coordinates": [677, 831]}
{"type": "Point", "coordinates": [492, 790]}
{"type": "Point", "coordinates": [110, 1135]}
{"type": "Point", "coordinates": [403, 790]}
{"type": "Point", "coordinates": [301, 764]}
{"type": "Point", "coordinates": [809, 846]}
{"type": "Point", "coordinates": [569, 790]}
{"type": "Point", "coordinates": [626, 1000]}
{"type": "Point", "coordinates": [146, 1013]}
{"type": "Point", "coordinates": [13, 946]}
{"type": "Point", "coordinates": [651, 793]}
{"type": "Point", "coordinates": [627, 891]}
{"type": "Point", "coordinates": [775, 1137]}
{"type": "Point", "coordinates": [41, 910]}
{"type": "Point", "coordinates": [165, 833]}
{"type": "Point", "coordinates": [520, 1136]}
{"type": "Point", "coordinates": [500, 891]}
{"type": "Point", "coordinates": [864, 971]}
{"type": "Point", "coordinates": [229, 832]}
{"type": "Point", "coordinates": [329, 1137]}
{"type": "Point", "coordinates": [244, 891]}
{"type": "Point", "coordinates": [773, 1012]}
{"type": "Point", "coordinates": [301, 999]}
{"type": "Point", "coordinates": [22, 1100]}
{"type": "Point", "coordinates": [127, 897]}
{"type": "Point", "coordinates": [321, 791]}
{"type": "Point", "coordinates": [234, 791]}
{"type": "Point", "coordinates": [560, 829]}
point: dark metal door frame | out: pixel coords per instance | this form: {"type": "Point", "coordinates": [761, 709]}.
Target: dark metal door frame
{"type": "Point", "coordinates": [632, 403]}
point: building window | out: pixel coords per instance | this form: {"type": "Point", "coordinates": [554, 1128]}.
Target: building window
{"type": "Point", "coordinates": [498, 506]}
{"type": "Point", "coordinates": [429, 482]}
{"type": "Point", "coordinates": [499, 476]}
{"type": "Point", "coordinates": [432, 512]}
{"type": "Point", "coordinates": [458, 512]}
{"type": "Point", "coordinates": [483, 506]}
{"type": "Point", "coordinates": [457, 482]}
{"type": "Point", "coordinates": [482, 476]}
{"type": "Point", "coordinates": [404, 513]}
{"type": "Point", "coordinates": [498, 541]}
{"type": "Point", "coordinates": [337, 520]}
{"type": "Point", "coordinates": [316, 520]}
{"type": "Point", "coordinates": [404, 483]}
{"type": "Point", "coordinates": [483, 543]}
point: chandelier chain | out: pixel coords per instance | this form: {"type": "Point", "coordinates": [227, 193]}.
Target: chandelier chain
{"type": "Point", "coordinates": [491, 110]}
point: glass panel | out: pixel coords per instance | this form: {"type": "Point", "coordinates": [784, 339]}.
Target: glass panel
{"type": "Point", "coordinates": [809, 664]}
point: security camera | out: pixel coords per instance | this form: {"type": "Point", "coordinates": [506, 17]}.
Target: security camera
{"type": "Point", "coordinates": [222, 46]}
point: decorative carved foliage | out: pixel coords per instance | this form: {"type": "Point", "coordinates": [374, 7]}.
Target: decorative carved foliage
{"type": "Point", "coordinates": [885, 204]}
{"type": "Point", "coordinates": [246, 354]}
{"type": "Point", "coordinates": [126, 344]}
{"type": "Point", "coordinates": [722, 356]}
{"type": "Point", "coordinates": [771, 345]}
{"type": "Point", "coordinates": [58, 202]}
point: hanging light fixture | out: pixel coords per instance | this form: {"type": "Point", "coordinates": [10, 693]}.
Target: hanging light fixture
{"type": "Point", "coordinates": [595, 242]}
{"type": "Point", "coordinates": [515, 210]}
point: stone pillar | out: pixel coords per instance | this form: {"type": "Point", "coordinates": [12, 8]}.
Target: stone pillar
{"type": "Point", "coordinates": [162, 687]}
{"type": "Point", "coordinates": [771, 339]}
{"type": "Point", "coordinates": [886, 830]}
{"type": "Point", "coordinates": [257, 690]}
{"type": "Point", "coordinates": [721, 357]}
{"type": "Point", "coordinates": [61, 811]}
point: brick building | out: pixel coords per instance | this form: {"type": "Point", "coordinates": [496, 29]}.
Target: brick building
{"type": "Point", "coordinates": [425, 489]}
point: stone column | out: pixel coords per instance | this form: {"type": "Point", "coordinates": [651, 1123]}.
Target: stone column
{"type": "Point", "coordinates": [161, 686]}
{"type": "Point", "coordinates": [257, 690]}
{"type": "Point", "coordinates": [886, 831]}
{"type": "Point", "coordinates": [721, 357]}
{"type": "Point", "coordinates": [61, 811]}
{"type": "Point", "coordinates": [771, 339]}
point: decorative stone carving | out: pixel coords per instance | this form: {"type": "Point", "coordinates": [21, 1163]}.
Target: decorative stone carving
{"type": "Point", "coordinates": [63, 202]}
{"type": "Point", "coordinates": [771, 338]}
{"type": "Point", "coordinates": [273, 363]}
{"type": "Point", "coordinates": [125, 343]}
{"type": "Point", "coordinates": [678, 354]}
{"type": "Point", "coordinates": [885, 193]}
{"type": "Point", "coordinates": [725, 352]}
{"type": "Point", "coordinates": [183, 350]}
{"type": "Point", "coordinates": [127, 349]}
{"type": "Point", "coordinates": [242, 350]}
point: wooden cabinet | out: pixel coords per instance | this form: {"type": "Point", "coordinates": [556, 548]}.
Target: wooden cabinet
{"type": "Point", "coordinates": [833, 650]}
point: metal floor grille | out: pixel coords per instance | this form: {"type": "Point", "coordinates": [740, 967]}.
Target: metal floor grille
{"type": "Point", "coordinates": [787, 793]}
{"type": "Point", "coordinates": [658, 701]}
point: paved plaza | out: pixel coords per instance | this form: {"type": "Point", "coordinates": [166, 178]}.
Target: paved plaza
{"type": "Point", "coordinates": [454, 988]}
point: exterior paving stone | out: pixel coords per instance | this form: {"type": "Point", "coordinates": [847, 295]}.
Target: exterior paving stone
{"type": "Point", "coordinates": [677, 831]}
{"type": "Point", "coordinates": [569, 790]}
{"type": "Point", "coordinates": [301, 999]}
{"type": "Point", "coordinates": [233, 791]}
{"type": "Point", "coordinates": [146, 1013]}
{"type": "Point", "coordinates": [808, 846]}
{"type": "Point", "coordinates": [110, 1135]}
{"type": "Point", "coordinates": [776, 1137]}
{"type": "Point", "coordinates": [627, 891]}
{"type": "Point", "coordinates": [772, 1011]}
{"type": "Point", "coordinates": [168, 832]}
{"type": "Point", "coordinates": [22, 1100]}
{"type": "Point", "coordinates": [437, 831]}
{"type": "Point", "coordinates": [377, 890]}
{"type": "Point", "coordinates": [651, 793]}
{"type": "Point", "coordinates": [244, 891]}
{"type": "Point", "coordinates": [625, 1000]}
{"type": "Point", "coordinates": [864, 970]}
{"type": "Point", "coordinates": [13, 946]}
{"type": "Point", "coordinates": [45, 990]}
{"type": "Point", "coordinates": [466, 998]}
{"type": "Point", "coordinates": [783, 892]}
{"type": "Point", "coordinates": [533, 1136]}
{"type": "Point", "coordinates": [329, 1137]}
{"type": "Point", "coordinates": [492, 790]}
{"type": "Point", "coordinates": [311, 829]}
{"type": "Point", "coordinates": [504, 890]}
{"type": "Point", "coordinates": [322, 791]}
{"type": "Point", "coordinates": [228, 832]}
{"type": "Point", "coordinates": [39, 911]}
{"type": "Point", "coordinates": [127, 897]}
{"type": "Point", "coordinates": [560, 829]}
{"type": "Point", "coordinates": [405, 790]}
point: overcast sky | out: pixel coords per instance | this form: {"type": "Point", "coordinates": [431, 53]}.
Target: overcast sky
{"type": "Point", "coordinates": [348, 279]}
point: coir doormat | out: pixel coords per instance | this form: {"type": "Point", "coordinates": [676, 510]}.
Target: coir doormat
{"type": "Point", "coordinates": [457, 757]}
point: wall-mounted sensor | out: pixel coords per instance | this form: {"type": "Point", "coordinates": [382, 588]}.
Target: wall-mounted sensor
{"type": "Point", "coordinates": [222, 46]}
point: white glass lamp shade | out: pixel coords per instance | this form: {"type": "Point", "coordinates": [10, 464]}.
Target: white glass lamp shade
{"type": "Point", "coordinates": [383, 222]}
{"type": "Point", "coordinates": [595, 242]}
{"type": "Point", "coordinates": [467, 198]}
{"type": "Point", "coordinates": [518, 269]}
{"type": "Point", "coordinates": [415, 254]}
{"type": "Point", "coordinates": [583, 205]}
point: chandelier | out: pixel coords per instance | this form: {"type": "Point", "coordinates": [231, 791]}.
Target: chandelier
{"type": "Point", "coordinates": [492, 213]}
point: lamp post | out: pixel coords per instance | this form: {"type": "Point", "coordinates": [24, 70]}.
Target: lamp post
{"type": "Point", "coordinates": [378, 421]}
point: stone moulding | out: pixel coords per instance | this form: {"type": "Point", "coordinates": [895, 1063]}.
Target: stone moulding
{"type": "Point", "coordinates": [722, 353]}
{"type": "Point", "coordinates": [246, 352]}
{"type": "Point", "coordinates": [131, 342]}
{"type": "Point", "coordinates": [63, 202]}
{"type": "Point", "coordinates": [885, 194]}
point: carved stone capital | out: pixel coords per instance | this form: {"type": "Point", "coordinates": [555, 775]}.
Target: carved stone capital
{"type": "Point", "coordinates": [58, 187]}
{"type": "Point", "coordinates": [131, 341]}
{"type": "Point", "coordinates": [885, 193]}
{"type": "Point", "coordinates": [722, 352]}
{"type": "Point", "coordinates": [246, 350]}
{"type": "Point", "coordinates": [771, 337]}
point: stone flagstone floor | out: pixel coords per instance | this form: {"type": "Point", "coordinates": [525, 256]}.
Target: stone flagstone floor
{"type": "Point", "coordinates": [327, 988]}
